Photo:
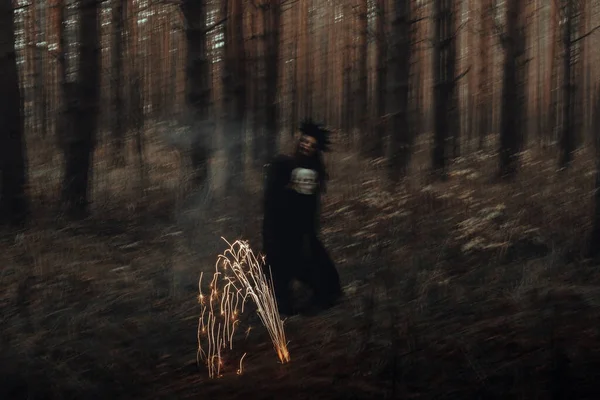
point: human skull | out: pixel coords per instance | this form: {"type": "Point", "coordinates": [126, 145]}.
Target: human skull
{"type": "Point", "coordinates": [304, 181]}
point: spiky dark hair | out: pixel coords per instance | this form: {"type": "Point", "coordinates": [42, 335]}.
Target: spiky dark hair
{"type": "Point", "coordinates": [318, 131]}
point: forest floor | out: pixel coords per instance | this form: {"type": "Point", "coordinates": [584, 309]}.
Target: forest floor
{"type": "Point", "coordinates": [463, 289]}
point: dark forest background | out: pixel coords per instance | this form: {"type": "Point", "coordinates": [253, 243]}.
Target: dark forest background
{"type": "Point", "coordinates": [463, 209]}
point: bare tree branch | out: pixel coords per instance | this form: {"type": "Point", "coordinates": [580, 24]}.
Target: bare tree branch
{"type": "Point", "coordinates": [460, 27]}
{"type": "Point", "coordinates": [17, 7]}
{"type": "Point", "coordinates": [462, 75]}
{"type": "Point", "coordinates": [215, 25]}
{"type": "Point", "coordinates": [414, 21]}
{"type": "Point", "coordinates": [585, 35]}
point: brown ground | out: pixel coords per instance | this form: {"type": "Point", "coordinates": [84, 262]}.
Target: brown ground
{"type": "Point", "coordinates": [461, 290]}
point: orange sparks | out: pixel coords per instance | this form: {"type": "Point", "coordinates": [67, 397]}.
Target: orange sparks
{"type": "Point", "coordinates": [238, 276]}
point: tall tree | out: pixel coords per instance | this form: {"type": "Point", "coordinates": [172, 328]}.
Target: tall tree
{"type": "Point", "coordinates": [234, 86]}
{"type": "Point", "coordinates": [14, 205]}
{"type": "Point", "coordinates": [294, 74]}
{"type": "Point", "coordinates": [553, 74]}
{"type": "Point", "coordinates": [539, 62]}
{"type": "Point", "coordinates": [363, 79]}
{"type": "Point", "coordinates": [306, 52]}
{"type": "Point", "coordinates": [400, 58]}
{"type": "Point", "coordinates": [81, 139]}
{"type": "Point", "coordinates": [573, 14]}
{"type": "Point", "coordinates": [588, 87]}
{"type": "Point", "coordinates": [484, 112]}
{"type": "Point", "coordinates": [444, 66]}
{"type": "Point", "coordinates": [118, 22]}
{"type": "Point", "coordinates": [66, 94]}
{"type": "Point", "coordinates": [271, 24]}
{"type": "Point", "coordinates": [452, 82]}
{"type": "Point", "coordinates": [578, 59]}
{"type": "Point", "coordinates": [38, 10]}
{"type": "Point", "coordinates": [375, 146]}
{"type": "Point", "coordinates": [198, 87]}
{"type": "Point", "coordinates": [474, 97]}
{"type": "Point", "coordinates": [567, 142]}
{"type": "Point", "coordinates": [255, 56]}
{"type": "Point", "coordinates": [420, 68]}
{"type": "Point", "coordinates": [135, 118]}
{"type": "Point", "coordinates": [347, 64]}
{"type": "Point", "coordinates": [513, 89]}
{"type": "Point", "coordinates": [594, 244]}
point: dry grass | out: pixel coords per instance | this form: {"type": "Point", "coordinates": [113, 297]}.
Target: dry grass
{"type": "Point", "coordinates": [463, 289]}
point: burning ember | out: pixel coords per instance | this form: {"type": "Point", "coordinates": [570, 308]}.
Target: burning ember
{"type": "Point", "coordinates": [238, 276]}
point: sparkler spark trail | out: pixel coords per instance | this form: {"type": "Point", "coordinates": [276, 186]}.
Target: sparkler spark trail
{"type": "Point", "coordinates": [238, 276]}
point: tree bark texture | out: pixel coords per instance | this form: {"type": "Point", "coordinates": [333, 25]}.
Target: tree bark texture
{"type": "Point", "coordinates": [81, 139]}
{"type": "Point", "coordinates": [14, 205]}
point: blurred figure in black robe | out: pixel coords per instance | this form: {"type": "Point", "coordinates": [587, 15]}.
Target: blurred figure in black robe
{"type": "Point", "coordinates": [293, 189]}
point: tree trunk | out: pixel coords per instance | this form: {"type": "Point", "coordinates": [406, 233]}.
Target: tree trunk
{"type": "Point", "coordinates": [454, 117]}
{"type": "Point", "coordinates": [67, 95]}
{"type": "Point", "coordinates": [444, 61]}
{"type": "Point", "coordinates": [81, 140]}
{"type": "Point", "coordinates": [14, 205]}
{"type": "Point", "coordinates": [234, 86]}
{"type": "Point", "coordinates": [256, 86]}
{"type": "Point", "coordinates": [594, 244]}
{"type": "Point", "coordinates": [588, 87]}
{"type": "Point", "coordinates": [40, 90]}
{"type": "Point", "coordinates": [198, 85]}
{"type": "Point", "coordinates": [306, 48]}
{"type": "Point", "coordinates": [539, 101]}
{"type": "Point", "coordinates": [485, 116]}
{"type": "Point", "coordinates": [135, 97]}
{"type": "Point", "coordinates": [552, 90]}
{"type": "Point", "coordinates": [294, 75]}
{"type": "Point", "coordinates": [347, 76]}
{"type": "Point", "coordinates": [362, 108]}
{"type": "Point", "coordinates": [578, 57]}
{"type": "Point", "coordinates": [271, 24]}
{"type": "Point", "coordinates": [118, 121]}
{"type": "Point", "coordinates": [401, 137]}
{"type": "Point", "coordinates": [567, 142]}
{"type": "Point", "coordinates": [417, 74]}
{"type": "Point", "coordinates": [513, 91]}
{"type": "Point", "coordinates": [376, 146]}
{"type": "Point", "coordinates": [473, 98]}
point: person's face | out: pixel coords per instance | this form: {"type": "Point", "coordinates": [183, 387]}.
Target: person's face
{"type": "Point", "coordinates": [307, 145]}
